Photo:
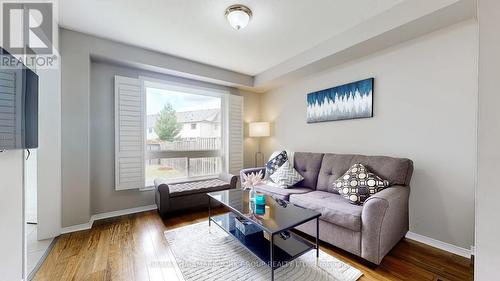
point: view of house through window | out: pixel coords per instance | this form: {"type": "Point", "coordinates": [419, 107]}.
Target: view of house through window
{"type": "Point", "coordinates": [183, 135]}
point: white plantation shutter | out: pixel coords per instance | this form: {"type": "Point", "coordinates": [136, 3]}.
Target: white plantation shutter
{"type": "Point", "coordinates": [10, 108]}
{"type": "Point", "coordinates": [235, 134]}
{"type": "Point", "coordinates": [129, 133]}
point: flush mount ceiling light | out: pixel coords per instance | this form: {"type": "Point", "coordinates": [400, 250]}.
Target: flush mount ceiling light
{"type": "Point", "coordinates": [238, 16]}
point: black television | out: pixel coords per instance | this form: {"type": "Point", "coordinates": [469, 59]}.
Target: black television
{"type": "Point", "coordinates": [18, 104]}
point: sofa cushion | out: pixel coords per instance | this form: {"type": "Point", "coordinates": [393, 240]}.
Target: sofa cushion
{"type": "Point", "coordinates": [281, 193]}
{"type": "Point", "coordinates": [333, 166]}
{"type": "Point", "coordinates": [333, 208]}
{"type": "Point", "coordinates": [286, 176]}
{"type": "Point", "coordinates": [308, 165]}
{"type": "Point", "coordinates": [204, 186]}
{"type": "Point", "coordinates": [276, 161]}
{"type": "Point", "coordinates": [397, 171]}
{"type": "Point", "coordinates": [358, 184]}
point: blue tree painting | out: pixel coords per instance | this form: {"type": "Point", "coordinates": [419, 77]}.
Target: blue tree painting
{"type": "Point", "coordinates": [349, 101]}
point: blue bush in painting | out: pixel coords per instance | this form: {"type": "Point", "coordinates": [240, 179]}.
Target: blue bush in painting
{"type": "Point", "coordinates": [353, 100]}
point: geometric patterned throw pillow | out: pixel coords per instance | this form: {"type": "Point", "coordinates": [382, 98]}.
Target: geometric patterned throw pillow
{"type": "Point", "coordinates": [274, 163]}
{"type": "Point", "coordinates": [357, 184]}
{"type": "Point", "coordinates": [286, 176]}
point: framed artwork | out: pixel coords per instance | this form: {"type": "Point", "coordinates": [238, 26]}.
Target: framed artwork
{"type": "Point", "coordinates": [349, 101]}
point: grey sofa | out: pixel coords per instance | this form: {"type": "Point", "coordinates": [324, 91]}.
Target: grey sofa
{"type": "Point", "coordinates": [369, 231]}
{"type": "Point", "coordinates": [189, 195]}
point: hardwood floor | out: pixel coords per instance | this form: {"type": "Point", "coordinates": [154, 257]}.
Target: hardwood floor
{"type": "Point", "coordinates": [132, 247]}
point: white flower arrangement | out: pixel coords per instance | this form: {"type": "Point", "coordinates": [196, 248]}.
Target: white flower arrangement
{"type": "Point", "coordinates": [252, 179]}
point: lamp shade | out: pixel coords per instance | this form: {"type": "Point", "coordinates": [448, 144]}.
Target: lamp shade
{"type": "Point", "coordinates": [259, 129]}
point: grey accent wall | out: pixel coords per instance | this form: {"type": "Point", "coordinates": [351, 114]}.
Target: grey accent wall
{"type": "Point", "coordinates": [425, 100]}
{"type": "Point", "coordinates": [103, 197]}
{"type": "Point", "coordinates": [88, 65]}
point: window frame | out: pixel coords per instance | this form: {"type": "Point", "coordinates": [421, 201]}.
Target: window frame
{"type": "Point", "coordinates": [189, 88]}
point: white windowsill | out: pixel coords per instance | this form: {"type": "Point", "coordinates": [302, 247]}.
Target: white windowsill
{"type": "Point", "coordinates": [175, 181]}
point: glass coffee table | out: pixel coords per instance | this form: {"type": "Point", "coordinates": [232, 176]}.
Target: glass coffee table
{"type": "Point", "coordinates": [274, 244]}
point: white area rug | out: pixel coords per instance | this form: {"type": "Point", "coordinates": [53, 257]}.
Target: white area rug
{"type": "Point", "coordinates": [214, 255]}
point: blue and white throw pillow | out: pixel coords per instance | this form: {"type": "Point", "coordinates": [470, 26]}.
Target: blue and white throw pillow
{"type": "Point", "coordinates": [286, 176]}
{"type": "Point", "coordinates": [274, 163]}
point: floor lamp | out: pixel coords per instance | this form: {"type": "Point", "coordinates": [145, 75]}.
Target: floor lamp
{"type": "Point", "coordinates": [259, 130]}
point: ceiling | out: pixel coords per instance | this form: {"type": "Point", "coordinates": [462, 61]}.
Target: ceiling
{"type": "Point", "coordinates": [197, 29]}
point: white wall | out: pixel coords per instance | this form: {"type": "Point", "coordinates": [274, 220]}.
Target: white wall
{"type": "Point", "coordinates": [49, 154]}
{"type": "Point", "coordinates": [11, 215]}
{"type": "Point", "coordinates": [75, 172]}
{"type": "Point", "coordinates": [424, 109]}
{"type": "Point", "coordinates": [30, 184]}
{"type": "Point", "coordinates": [487, 259]}
{"type": "Point", "coordinates": [188, 132]}
{"type": "Point", "coordinates": [202, 130]}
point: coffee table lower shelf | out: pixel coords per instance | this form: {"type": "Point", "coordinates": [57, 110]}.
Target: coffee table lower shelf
{"type": "Point", "coordinates": [285, 250]}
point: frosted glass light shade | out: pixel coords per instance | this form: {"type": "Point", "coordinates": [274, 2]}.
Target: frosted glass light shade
{"type": "Point", "coordinates": [238, 16]}
{"type": "Point", "coordinates": [259, 129]}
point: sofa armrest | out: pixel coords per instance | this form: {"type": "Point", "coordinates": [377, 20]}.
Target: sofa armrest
{"type": "Point", "coordinates": [253, 170]}
{"type": "Point", "coordinates": [231, 179]}
{"type": "Point", "coordinates": [162, 196]}
{"type": "Point", "coordinates": [162, 186]}
{"type": "Point", "coordinates": [384, 222]}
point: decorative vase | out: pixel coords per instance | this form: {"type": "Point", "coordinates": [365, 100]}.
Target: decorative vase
{"type": "Point", "coordinates": [260, 209]}
{"type": "Point", "coordinates": [260, 204]}
{"type": "Point", "coordinates": [260, 199]}
{"type": "Point", "coordinates": [252, 194]}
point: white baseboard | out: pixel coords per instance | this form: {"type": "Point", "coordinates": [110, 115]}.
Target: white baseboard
{"type": "Point", "coordinates": [93, 218]}
{"type": "Point", "coordinates": [439, 244]}
{"type": "Point", "coordinates": [122, 212]}
{"type": "Point", "coordinates": [410, 235]}
{"type": "Point", "coordinates": [78, 227]}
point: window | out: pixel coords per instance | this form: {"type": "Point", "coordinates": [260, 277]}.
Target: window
{"type": "Point", "coordinates": [181, 148]}
{"type": "Point", "coordinates": [153, 135]}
